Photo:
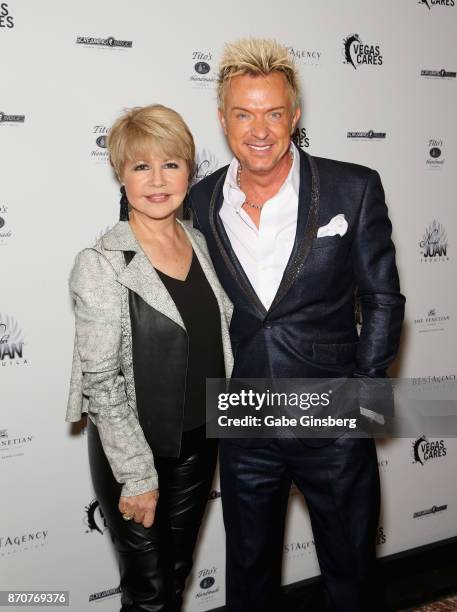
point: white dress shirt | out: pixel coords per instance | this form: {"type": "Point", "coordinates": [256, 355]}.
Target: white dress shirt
{"type": "Point", "coordinates": [264, 252]}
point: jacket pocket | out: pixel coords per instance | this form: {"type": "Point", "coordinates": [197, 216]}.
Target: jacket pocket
{"type": "Point", "coordinates": [339, 353]}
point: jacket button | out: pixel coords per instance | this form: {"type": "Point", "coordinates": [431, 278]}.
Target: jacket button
{"type": "Point", "coordinates": [267, 326]}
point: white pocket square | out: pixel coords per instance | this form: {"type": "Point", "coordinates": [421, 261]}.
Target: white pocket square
{"type": "Point", "coordinates": [337, 225]}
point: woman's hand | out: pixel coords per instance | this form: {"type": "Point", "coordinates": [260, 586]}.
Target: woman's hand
{"type": "Point", "coordinates": [140, 508]}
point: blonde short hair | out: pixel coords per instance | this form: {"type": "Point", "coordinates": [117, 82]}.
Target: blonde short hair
{"type": "Point", "coordinates": [146, 130]}
{"type": "Point", "coordinates": [256, 56]}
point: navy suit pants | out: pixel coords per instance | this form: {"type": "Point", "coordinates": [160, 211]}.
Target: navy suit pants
{"type": "Point", "coordinates": [340, 483]}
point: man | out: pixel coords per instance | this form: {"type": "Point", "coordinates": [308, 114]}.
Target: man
{"type": "Point", "coordinates": [292, 239]}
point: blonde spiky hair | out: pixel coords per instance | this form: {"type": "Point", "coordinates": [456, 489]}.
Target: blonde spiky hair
{"type": "Point", "coordinates": [256, 57]}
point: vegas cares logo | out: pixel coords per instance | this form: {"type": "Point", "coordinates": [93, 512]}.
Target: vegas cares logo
{"type": "Point", "coordinates": [357, 53]}
{"type": "Point", "coordinates": [94, 518]}
{"type": "Point", "coordinates": [432, 3]}
{"type": "Point", "coordinates": [6, 19]}
{"type": "Point", "coordinates": [300, 138]}
{"type": "Point", "coordinates": [427, 450]}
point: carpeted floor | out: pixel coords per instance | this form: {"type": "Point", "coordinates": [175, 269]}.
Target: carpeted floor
{"type": "Point", "coordinates": [449, 604]}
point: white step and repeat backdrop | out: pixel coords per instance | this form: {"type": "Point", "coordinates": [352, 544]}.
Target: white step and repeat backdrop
{"type": "Point", "coordinates": [380, 89]}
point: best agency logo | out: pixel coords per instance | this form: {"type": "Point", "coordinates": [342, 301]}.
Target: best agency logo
{"type": "Point", "coordinates": [202, 76]}
{"type": "Point", "coordinates": [5, 232]}
{"type": "Point", "coordinates": [434, 244]}
{"type": "Point", "coordinates": [13, 446]}
{"type": "Point", "coordinates": [424, 450]}
{"type": "Point", "coordinates": [6, 119]}
{"type": "Point", "coordinates": [299, 548]}
{"type": "Point", "coordinates": [11, 342]}
{"type": "Point", "coordinates": [435, 158]}
{"type": "Point", "coordinates": [94, 518]}
{"type": "Point", "coordinates": [99, 153]}
{"type": "Point", "coordinates": [356, 53]}
{"type": "Point", "coordinates": [207, 582]}
{"type": "Point", "coordinates": [306, 57]}
{"type": "Point", "coordinates": [432, 3]}
{"type": "Point", "coordinates": [106, 43]}
{"type": "Point", "coordinates": [6, 19]}
{"type": "Point", "coordinates": [25, 542]}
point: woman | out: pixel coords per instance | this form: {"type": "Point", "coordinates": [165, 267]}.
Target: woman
{"type": "Point", "coordinates": [151, 325]}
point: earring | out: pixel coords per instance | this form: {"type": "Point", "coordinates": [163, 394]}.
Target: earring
{"type": "Point", "coordinates": [124, 205]}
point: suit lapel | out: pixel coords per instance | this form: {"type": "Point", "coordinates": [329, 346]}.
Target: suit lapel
{"type": "Point", "coordinates": [225, 248]}
{"type": "Point", "coordinates": [307, 224]}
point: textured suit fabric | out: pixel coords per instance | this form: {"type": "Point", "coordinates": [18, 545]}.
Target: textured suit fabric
{"type": "Point", "coordinates": [308, 332]}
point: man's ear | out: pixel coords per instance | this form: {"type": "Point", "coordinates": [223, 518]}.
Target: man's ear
{"type": "Point", "coordinates": [295, 119]}
{"type": "Point", "coordinates": [221, 116]}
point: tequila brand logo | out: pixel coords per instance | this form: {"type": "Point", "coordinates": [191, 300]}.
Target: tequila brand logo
{"type": "Point", "coordinates": [425, 450]}
{"type": "Point", "coordinates": [428, 511]}
{"type": "Point", "coordinates": [5, 232]}
{"type": "Point", "coordinates": [356, 53]}
{"type": "Point", "coordinates": [370, 135]}
{"type": "Point", "coordinates": [207, 582]}
{"type": "Point", "coordinates": [202, 75]}
{"type": "Point", "coordinates": [434, 244]}
{"type": "Point", "coordinates": [100, 153]}
{"type": "Point", "coordinates": [435, 152]}
{"type": "Point", "coordinates": [300, 138]}
{"type": "Point", "coordinates": [11, 342]}
{"type": "Point", "coordinates": [6, 118]}
{"type": "Point", "coordinates": [94, 518]}
{"type": "Point", "coordinates": [432, 3]}
{"type": "Point", "coordinates": [6, 19]}
{"type": "Point", "coordinates": [109, 42]}
{"type": "Point", "coordinates": [205, 164]}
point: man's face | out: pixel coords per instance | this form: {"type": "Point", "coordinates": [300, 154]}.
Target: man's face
{"type": "Point", "coordinates": [258, 120]}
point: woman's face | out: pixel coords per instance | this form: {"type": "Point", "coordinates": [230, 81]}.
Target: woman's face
{"type": "Point", "coordinates": [155, 187]}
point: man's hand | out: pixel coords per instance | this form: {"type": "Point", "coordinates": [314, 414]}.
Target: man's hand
{"type": "Point", "coordinates": [140, 508]}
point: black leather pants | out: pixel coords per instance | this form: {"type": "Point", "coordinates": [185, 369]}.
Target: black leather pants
{"type": "Point", "coordinates": [154, 563]}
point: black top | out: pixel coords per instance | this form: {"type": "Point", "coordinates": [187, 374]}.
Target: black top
{"type": "Point", "coordinates": [199, 311]}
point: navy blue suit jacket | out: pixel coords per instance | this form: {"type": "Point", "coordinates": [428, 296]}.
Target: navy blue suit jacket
{"type": "Point", "coordinates": [310, 329]}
